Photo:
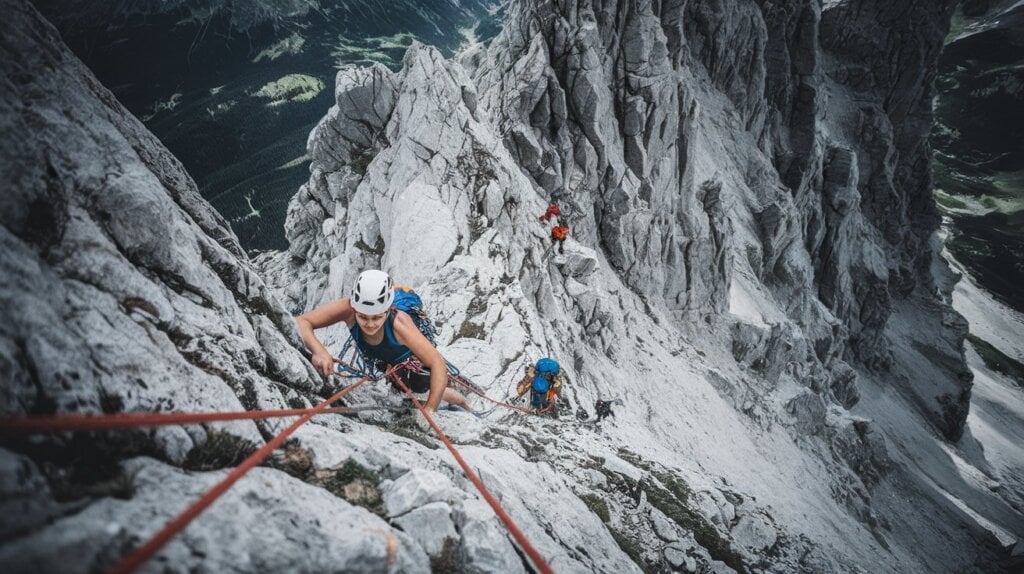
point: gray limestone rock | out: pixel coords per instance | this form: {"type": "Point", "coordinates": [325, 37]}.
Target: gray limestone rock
{"type": "Point", "coordinates": [137, 295]}
{"type": "Point", "coordinates": [485, 545]}
{"type": "Point", "coordinates": [753, 533]}
{"type": "Point", "coordinates": [715, 507]}
{"type": "Point", "coordinates": [429, 525]}
{"type": "Point", "coordinates": [25, 499]}
{"type": "Point", "coordinates": [809, 411]}
{"type": "Point", "coordinates": [417, 488]}
{"type": "Point", "coordinates": [663, 527]}
{"type": "Point", "coordinates": [299, 528]}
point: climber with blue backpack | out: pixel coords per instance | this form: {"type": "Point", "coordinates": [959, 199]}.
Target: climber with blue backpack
{"type": "Point", "coordinates": [385, 334]}
{"type": "Point", "coordinates": [543, 381]}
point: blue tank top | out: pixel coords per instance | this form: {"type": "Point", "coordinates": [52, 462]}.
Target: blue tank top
{"type": "Point", "coordinates": [389, 351]}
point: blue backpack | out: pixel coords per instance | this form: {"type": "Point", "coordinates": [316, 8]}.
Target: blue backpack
{"type": "Point", "coordinates": [547, 367]}
{"type": "Point", "coordinates": [407, 300]}
{"type": "Point", "coordinates": [545, 372]}
{"type": "Point", "coordinates": [539, 396]}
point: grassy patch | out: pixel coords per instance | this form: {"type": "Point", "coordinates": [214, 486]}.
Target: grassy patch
{"type": "Point", "coordinates": [675, 485]}
{"type": "Point", "coordinates": [292, 459]}
{"type": "Point", "coordinates": [291, 46]}
{"type": "Point", "coordinates": [354, 483]}
{"type": "Point", "coordinates": [221, 450]}
{"type": "Point", "coordinates": [387, 50]}
{"type": "Point", "coordinates": [703, 532]}
{"type": "Point", "coordinates": [361, 158]}
{"type": "Point", "coordinates": [948, 201]}
{"type": "Point", "coordinates": [597, 505]}
{"type": "Point", "coordinates": [352, 470]}
{"type": "Point", "coordinates": [414, 436]}
{"type": "Point", "coordinates": [291, 88]}
{"type": "Point", "coordinates": [470, 330]}
{"type": "Point", "coordinates": [996, 360]}
{"type": "Point", "coordinates": [119, 485]}
{"type": "Point", "coordinates": [1009, 182]}
{"type": "Point", "coordinates": [631, 550]}
{"type": "Point", "coordinates": [672, 497]}
{"type": "Point", "coordinates": [447, 562]}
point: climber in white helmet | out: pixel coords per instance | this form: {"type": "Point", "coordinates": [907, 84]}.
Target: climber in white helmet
{"type": "Point", "coordinates": [383, 334]}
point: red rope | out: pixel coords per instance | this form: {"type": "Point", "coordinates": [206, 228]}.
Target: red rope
{"type": "Point", "coordinates": [535, 556]}
{"type": "Point", "coordinates": [497, 402]}
{"type": "Point", "coordinates": [71, 422]}
{"type": "Point", "coordinates": [147, 550]}
{"type": "Point", "coordinates": [414, 364]}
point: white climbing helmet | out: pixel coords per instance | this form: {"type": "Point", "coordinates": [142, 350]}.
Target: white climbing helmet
{"type": "Point", "coordinates": [373, 292]}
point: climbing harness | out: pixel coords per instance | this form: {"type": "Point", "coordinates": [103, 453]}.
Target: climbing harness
{"type": "Point", "coordinates": [356, 364]}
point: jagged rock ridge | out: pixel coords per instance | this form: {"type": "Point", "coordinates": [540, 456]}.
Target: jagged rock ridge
{"type": "Point", "coordinates": [691, 290]}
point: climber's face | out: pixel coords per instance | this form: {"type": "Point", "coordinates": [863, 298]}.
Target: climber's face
{"type": "Point", "coordinates": [370, 324]}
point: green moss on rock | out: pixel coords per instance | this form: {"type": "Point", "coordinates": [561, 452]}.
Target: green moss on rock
{"type": "Point", "coordinates": [220, 450]}
{"type": "Point", "coordinates": [674, 505]}
{"type": "Point", "coordinates": [997, 360]}
{"type": "Point", "coordinates": [597, 505]}
{"type": "Point", "coordinates": [354, 483]}
{"type": "Point", "coordinates": [631, 550]}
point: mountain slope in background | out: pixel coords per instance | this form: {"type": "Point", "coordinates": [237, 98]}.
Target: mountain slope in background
{"type": "Point", "coordinates": [233, 88]}
{"type": "Point", "coordinates": [979, 159]}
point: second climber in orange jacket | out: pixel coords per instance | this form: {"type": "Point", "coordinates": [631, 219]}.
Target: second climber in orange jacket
{"type": "Point", "coordinates": [558, 235]}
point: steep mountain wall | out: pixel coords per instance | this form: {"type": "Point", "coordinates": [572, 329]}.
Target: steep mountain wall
{"type": "Point", "coordinates": [124, 291]}
{"type": "Point", "coordinates": [703, 149]}
{"type": "Point", "coordinates": [782, 352]}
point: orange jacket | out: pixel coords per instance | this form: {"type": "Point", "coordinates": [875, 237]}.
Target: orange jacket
{"type": "Point", "coordinates": [560, 232]}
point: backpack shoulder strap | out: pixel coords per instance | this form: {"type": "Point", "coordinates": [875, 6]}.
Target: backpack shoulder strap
{"type": "Point", "coordinates": [389, 327]}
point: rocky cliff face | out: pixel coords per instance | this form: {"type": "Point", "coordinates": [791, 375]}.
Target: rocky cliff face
{"type": "Point", "coordinates": [751, 272]}
{"type": "Point", "coordinates": [703, 149]}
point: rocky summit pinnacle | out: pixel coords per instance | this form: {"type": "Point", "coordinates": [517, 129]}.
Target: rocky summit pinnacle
{"type": "Point", "coordinates": [752, 278]}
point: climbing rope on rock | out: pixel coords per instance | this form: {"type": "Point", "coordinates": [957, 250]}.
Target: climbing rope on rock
{"type": "Point", "coordinates": [76, 422]}
{"type": "Point", "coordinates": [143, 553]}
{"type": "Point", "coordinates": [535, 557]}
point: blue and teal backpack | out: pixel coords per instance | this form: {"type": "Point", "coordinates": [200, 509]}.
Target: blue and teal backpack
{"type": "Point", "coordinates": [547, 367]}
{"type": "Point", "coordinates": [407, 300]}
{"type": "Point", "coordinates": [539, 396]}
{"type": "Point", "coordinates": [545, 372]}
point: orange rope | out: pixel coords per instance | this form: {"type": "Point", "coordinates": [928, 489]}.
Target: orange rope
{"type": "Point", "coordinates": [73, 422]}
{"type": "Point", "coordinates": [535, 556]}
{"type": "Point", "coordinates": [413, 364]}
{"type": "Point", "coordinates": [143, 553]}
{"type": "Point", "coordinates": [497, 402]}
